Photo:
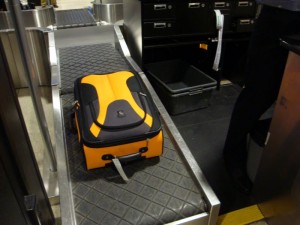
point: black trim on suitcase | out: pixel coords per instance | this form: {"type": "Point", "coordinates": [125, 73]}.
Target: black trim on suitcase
{"type": "Point", "coordinates": [93, 111]}
{"type": "Point", "coordinates": [96, 143]}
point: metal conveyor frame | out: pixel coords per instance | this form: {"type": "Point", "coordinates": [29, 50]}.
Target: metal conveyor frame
{"type": "Point", "coordinates": [66, 200]}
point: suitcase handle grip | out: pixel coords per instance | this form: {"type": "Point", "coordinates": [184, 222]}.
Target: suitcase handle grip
{"type": "Point", "coordinates": [131, 157]}
{"type": "Point", "coordinates": [127, 158]}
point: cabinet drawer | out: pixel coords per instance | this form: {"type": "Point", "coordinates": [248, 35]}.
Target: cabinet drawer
{"type": "Point", "coordinates": [244, 25]}
{"type": "Point", "coordinates": [226, 9]}
{"type": "Point", "coordinates": [197, 17]}
{"type": "Point", "coordinates": [158, 10]}
{"type": "Point", "coordinates": [219, 4]}
{"type": "Point", "coordinates": [244, 8]}
{"type": "Point", "coordinates": [159, 28]}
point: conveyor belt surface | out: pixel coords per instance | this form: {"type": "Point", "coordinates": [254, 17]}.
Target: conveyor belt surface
{"type": "Point", "coordinates": [160, 190]}
{"type": "Point", "coordinates": [74, 18]}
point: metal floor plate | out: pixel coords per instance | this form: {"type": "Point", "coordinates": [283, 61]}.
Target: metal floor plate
{"type": "Point", "coordinates": [88, 59]}
{"type": "Point", "coordinates": [160, 190]}
{"type": "Point", "coordinates": [74, 18]}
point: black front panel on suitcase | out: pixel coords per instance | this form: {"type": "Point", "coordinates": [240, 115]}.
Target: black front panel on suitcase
{"type": "Point", "coordinates": [121, 124]}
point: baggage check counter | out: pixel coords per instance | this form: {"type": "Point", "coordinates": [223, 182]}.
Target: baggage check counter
{"type": "Point", "coordinates": [170, 189]}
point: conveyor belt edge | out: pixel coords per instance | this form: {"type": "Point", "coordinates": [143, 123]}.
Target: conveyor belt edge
{"type": "Point", "coordinates": [179, 143]}
{"type": "Point", "coordinates": [68, 215]}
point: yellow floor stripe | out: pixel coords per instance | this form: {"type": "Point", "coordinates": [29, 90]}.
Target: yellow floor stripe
{"type": "Point", "coordinates": [241, 217]}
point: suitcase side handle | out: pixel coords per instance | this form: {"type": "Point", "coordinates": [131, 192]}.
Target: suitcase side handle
{"type": "Point", "coordinates": [127, 158]}
{"type": "Point", "coordinates": [130, 158]}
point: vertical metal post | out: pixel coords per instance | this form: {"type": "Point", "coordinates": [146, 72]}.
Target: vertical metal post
{"type": "Point", "coordinates": [31, 77]}
{"type": "Point", "coordinates": [6, 4]}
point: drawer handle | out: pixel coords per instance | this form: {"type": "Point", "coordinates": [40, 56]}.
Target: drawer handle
{"type": "Point", "coordinates": [160, 25]}
{"type": "Point", "coordinates": [160, 7]}
{"type": "Point", "coordinates": [194, 5]}
{"type": "Point", "coordinates": [243, 4]}
{"type": "Point", "coordinates": [245, 22]}
{"type": "Point", "coordinates": [220, 4]}
{"type": "Point", "coordinates": [195, 92]}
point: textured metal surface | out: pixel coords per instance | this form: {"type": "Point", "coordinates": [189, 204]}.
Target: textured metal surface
{"type": "Point", "coordinates": [161, 190]}
{"type": "Point", "coordinates": [74, 18]}
{"type": "Point", "coordinates": [90, 59]}
{"type": "Point", "coordinates": [213, 203]}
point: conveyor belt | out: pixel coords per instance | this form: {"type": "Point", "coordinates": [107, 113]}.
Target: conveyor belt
{"type": "Point", "coordinates": [160, 190]}
{"type": "Point", "coordinates": [74, 18]}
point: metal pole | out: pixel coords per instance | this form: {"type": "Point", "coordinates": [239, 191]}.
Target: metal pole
{"type": "Point", "coordinates": [31, 77]}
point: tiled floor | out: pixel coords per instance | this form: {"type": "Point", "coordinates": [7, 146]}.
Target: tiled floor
{"type": "Point", "coordinates": [205, 131]}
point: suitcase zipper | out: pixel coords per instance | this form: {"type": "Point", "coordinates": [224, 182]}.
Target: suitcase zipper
{"type": "Point", "coordinates": [98, 144]}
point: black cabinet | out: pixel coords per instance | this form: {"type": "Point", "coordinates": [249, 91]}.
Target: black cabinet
{"type": "Point", "coordinates": [155, 10]}
{"type": "Point", "coordinates": [163, 29]}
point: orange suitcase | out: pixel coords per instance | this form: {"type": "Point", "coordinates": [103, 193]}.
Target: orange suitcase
{"type": "Point", "coordinates": [116, 118]}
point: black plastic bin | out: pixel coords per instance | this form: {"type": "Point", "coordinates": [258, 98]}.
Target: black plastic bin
{"type": "Point", "coordinates": [180, 86]}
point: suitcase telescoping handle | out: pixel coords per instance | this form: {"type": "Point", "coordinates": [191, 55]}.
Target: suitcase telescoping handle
{"type": "Point", "coordinates": [117, 162]}
{"type": "Point", "coordinates": [127, 158]}
{"type": "Point", "coordinates": [124, 159]}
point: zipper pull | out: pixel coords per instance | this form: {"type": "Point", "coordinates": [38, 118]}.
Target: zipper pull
{"type": "Point", "coordinates": [75, 105]}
